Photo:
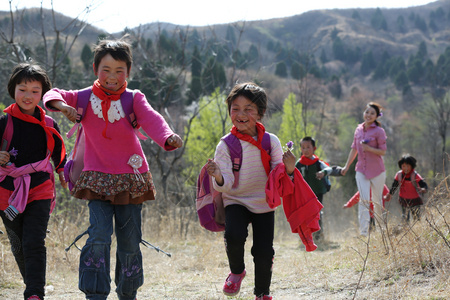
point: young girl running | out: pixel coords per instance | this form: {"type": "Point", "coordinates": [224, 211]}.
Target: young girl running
{"type": "Point", "coordinates": [246, 203]}
{"type": "Point", "coordinates": [116, 179]}
{"type": "Point", "coordinates": [412, 187]}
{"type": "Point", "coordinates": [27, 189]}
{"type": "Point", "coordinates": [369, 144]}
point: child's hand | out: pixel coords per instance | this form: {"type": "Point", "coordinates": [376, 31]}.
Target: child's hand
{"type": "Point", "coordinates": [344, 170]}
{"type": "Point", "coordinates": [62, 180]}
{"type": "Point", "coordinates": [214, 170]}
{"type": "Point", "coordinates": [175, 141]}
{"type": "Point", "coordinates": [423, 190]}
{"type": "Point", "coordinates": [320, 175]}
{"type": "Point", "coordinates": [387, 197]}
{"type": "Point", "coordinates": [68, 111]}
{"type": "Point", "coordinates": [289, 162]}
{"type": "Point", "coordinates": [4, 157]}
{"type": "Point", "coordinates": [345, 206]}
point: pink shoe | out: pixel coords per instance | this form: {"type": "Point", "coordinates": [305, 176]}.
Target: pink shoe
{"type": "Point", "coordinates": [265, 297]}
{"type": "Point", "coordinates": [231, 288]}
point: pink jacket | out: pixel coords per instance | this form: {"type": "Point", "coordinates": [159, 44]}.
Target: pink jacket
{"type": "Point", "coordinates": [301, 207]}
{"type": "Point", "coordinates": [21, 175]}
{"type": "Point", "coordinates": [111, 155]}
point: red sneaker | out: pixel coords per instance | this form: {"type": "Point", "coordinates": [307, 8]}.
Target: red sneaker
{"type": "Point", "coordinates": [231, 288]}
{"type": "Point", "coordinates": [34, 297]}
{"type": "Point", "coordinates": [265, 297]}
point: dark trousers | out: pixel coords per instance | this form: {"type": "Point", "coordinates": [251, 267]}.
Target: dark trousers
{"type": "Point", "coordinates": [27, 234]}
{"type": "Point", "coordinates": [318, 235]}
{"type": "Point", "coordinates": [410, 210]}
{"type": "Point", "coordinates": [237, 220]}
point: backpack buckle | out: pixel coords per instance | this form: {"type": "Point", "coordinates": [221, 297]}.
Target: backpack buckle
{"type": "Point", "coordinates": [236, 164]}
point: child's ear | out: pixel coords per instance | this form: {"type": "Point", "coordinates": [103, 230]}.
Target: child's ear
{"type": "Point", "coordinates": [95, 70]}
{"type": "Point", "coordinates": [315, 148]}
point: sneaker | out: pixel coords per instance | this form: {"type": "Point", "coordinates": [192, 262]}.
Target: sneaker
{"type": "Point", "coordinates": [34, 297]}
{"type": "Point", "coordinates": [264, 297]}
{"type": "Point", "coordinates": [231, 288]}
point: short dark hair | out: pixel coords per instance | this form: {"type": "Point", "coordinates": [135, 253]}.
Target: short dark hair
{"type": "Point", "coordinates": [119, 50]}
{"type": "Point", "coordinates": [252, 92]}
{"type": "Point", "coordinates": [407, 159]}
{"type": "Point", "coordinates": [26, 72]}
{"type": "Point", "coordinates": [308, 139]}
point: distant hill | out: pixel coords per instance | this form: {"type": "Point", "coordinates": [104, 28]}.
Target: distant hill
{"type": "Point", "coordinates": [397, 31]}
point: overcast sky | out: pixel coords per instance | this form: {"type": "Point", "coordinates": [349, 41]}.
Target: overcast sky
{"type": "Point", "coordinates": [115, 15]}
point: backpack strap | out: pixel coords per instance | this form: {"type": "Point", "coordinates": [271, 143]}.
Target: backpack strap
{"type": "Point", "coordinates": [82, 102]}
{"type": "Point", "coordinates": [235, 148]}
{"type": "Point", "coordinates": [414, 182]}
{"type": "Point", "coordinates": [7, 134]}
{"type": "Point", "coordinates": [127, 104]}
{"type": "Point", "coordinates": [265, 143]}
{"type": "Point", "coordinates": [400, 177]}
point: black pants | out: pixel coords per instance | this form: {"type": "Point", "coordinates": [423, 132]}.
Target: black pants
{"type": "Point", "coordinates": [238, 218]}
{"type": "Point", "coordinates": [318, 235]}
{"type": "Point", "coordinates": [27, 234]}
{"type": "Point", "coordinates": [411, 210]}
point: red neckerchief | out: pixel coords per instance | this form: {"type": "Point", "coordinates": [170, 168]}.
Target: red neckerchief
{"type": "Point", "coordinates": [106, 96]}
{"type": "Point", "coordinates": [265, 157]}
{"type": "Point", "coordinates": [308, 161]}
{"type": "Point", "coordinates": [15, 111]}
{"type": "Point", "coordinates": [407, 175]}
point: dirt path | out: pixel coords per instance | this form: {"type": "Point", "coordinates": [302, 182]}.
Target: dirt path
{"type": "Point", "coordinates": [198, 268]}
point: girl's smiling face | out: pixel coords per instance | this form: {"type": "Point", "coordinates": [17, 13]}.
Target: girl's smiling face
{"type": "Point", "coordinates": [244, 115]}
{"type": "Point", "coordinates": [27, 96]}
{"type": "Point", "coordinates": [370, 115]}
{"type": "Point", "coordinates": [111, 73]}
{"type": "Point", "coordinates": [406, 168]}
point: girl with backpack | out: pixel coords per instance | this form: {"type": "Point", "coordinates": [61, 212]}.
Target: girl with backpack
{"type": "Point", "coordinates": [30, 139]}
{"type": "Point", "coordinates": [246, 203]}
{"type": "Point", "coordinates": [369, 144]}
{"type": "Point", "coordinates": [116, 179]}
{"type": "Point", "coordinates": [412, 187]}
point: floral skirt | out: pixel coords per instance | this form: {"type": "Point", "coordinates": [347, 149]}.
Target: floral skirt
{"type": "Point", "coordinates": [120, 189]}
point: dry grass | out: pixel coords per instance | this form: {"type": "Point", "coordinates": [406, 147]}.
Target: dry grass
{"type": "Point", "coordinates": [403, 263]}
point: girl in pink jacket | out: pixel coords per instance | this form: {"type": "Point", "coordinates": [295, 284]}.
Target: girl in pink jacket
{"type": "Point", "coordinates": [115, 179]}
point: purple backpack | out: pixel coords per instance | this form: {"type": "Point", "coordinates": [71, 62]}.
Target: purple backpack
{"type": "Point", "coordinates": [75, 161]}
{"type": "Point", "coordinates": [207, 197]}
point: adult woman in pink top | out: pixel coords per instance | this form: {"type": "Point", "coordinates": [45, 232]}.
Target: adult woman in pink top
{"type": "Point", "coordinates": [369, 144]}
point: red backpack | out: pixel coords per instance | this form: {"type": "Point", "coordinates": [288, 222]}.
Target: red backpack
{"type": "Point", "coordinates": [207, 197]}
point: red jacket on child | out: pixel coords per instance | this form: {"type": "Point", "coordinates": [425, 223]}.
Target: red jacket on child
{"type": "Point", "coordinates": [301, 207]}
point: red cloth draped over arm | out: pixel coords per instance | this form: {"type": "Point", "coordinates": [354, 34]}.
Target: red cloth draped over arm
{"type": "Point", "coordinates": [300, 204]}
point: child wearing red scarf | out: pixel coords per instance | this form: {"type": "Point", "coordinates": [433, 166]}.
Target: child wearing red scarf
{"type": "Point", "coordinates": [247, 203]}
{"type": "Point", "coordinates": [412, 187]}
{"type": "Point", "coordinates": [116, 179]}
{"type": "Point", "coordinates": [27, 191]}
{"type": "Point", "coordinates": [313, 173]}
